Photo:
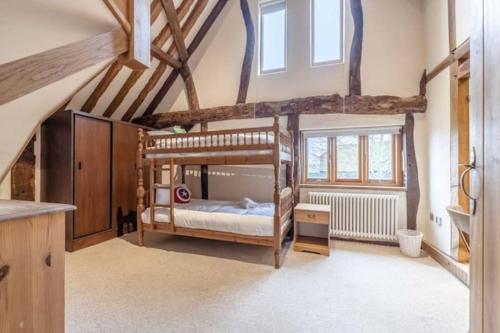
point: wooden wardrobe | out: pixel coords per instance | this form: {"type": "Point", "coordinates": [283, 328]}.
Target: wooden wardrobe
{"type": "Point", "coordinates": [89, 162]}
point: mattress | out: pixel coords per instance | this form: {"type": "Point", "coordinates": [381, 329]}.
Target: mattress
{"type": "Point", "coordinates": [212, 153]}
{"type": "Point", "coordinates": [226, 216]}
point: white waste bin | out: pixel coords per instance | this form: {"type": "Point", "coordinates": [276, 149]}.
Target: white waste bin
{"type": "Point", "coordinates": [410, 242]}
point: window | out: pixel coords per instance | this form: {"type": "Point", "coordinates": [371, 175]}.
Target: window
{"type": "Point", "coordinates": [272, 37]}
{"type": "Point", "coordinates": [380, 157]}
{"type": "Point", "coordinates": [353, 157]}
{"type": "Point", "coordinates": [317, 156]}
{"type": "Point", "coordinates": [347, 157]}
{"type": "Point", "coordinates": [326, 31]}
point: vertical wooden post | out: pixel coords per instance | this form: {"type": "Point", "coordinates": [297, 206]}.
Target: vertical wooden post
{"type": "Point", "coordinates": [356, 49]}
{"type": "Point", "coordinates": [293, 127]}
{"type": "Point", "coordinates": [277, 203]}
{"type": "Point", "coordinates": [172, 194]}
{"type": "Point", "coordinates": [413, 188]}
{"type": "Point", "coordinates": [204, 170]}
{"type": "Point", "coordinates": [140, 186]}
{"type": "Point", "coordinates": [246, 67]}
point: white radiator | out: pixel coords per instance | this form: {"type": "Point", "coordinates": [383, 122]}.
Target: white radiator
{"type": "Point", "coordinates": [361, 216]}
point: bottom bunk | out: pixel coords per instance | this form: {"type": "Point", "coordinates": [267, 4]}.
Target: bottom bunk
{"type": "Point", "coordinates": [224, 216]}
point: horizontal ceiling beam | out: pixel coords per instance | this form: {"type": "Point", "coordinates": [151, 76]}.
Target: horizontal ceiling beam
{"type": "Point", "coordinates": [23, 76]}
{"type": "Point", "coordinates": [360, 105]}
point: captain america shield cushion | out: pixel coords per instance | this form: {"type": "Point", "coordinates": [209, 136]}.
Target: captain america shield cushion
{"type": "Point", "coordinates": [182, 194]}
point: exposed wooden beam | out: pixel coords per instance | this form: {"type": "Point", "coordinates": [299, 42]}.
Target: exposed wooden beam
{"type": "Point", "coordinates": [191, 94]}
{"type": "Point", "coordinates": [192, 47]}
{"type": "Point", "coordinates": [461, 53]}
{"type": "Point", "coordinates": [452, 25]}
{"type": "Point", "coordinates": [115, 68]}
{"type": "Point", "coordinates": [423, 84]}
{"type": "Point", "coordinates": [139, 55]}
{"type": "Point", "coordinates": [294, 127]}
{"type": "Point", "coordinates": [144, 92]}
{"type": "Point", "coordinates": [186, 28]}
{"type": "Point", "coordinates": [356, 49]}
{"type": "Point", "coordinates": [412, 186]}
{"type": "Point", "coordinates": [119, 14]}
{"type": "Point", "coordinates": [366, 105]}
{"type": "Point", "coordinates": [165, 57]}
{"type": "Point", "coordinates": [23, 174]}
{"type": "Point", "coordinates": [246, 67]}
{"type": "Point", "coordinates": [23, 76]}
{"type": "Point", "coordinates": [175, 28]}
{"type": "Point", "coordinates": [136, 75]}
{"type": "Point", "coordinates": [122, 93]}
{"type": "Point", "coordinates": [92, 100]}
{"type": "Point", "coordinates": [155, 10]}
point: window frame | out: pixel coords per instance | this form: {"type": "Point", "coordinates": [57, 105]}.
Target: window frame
{"type": "Point", "coordinates": [363, 160]}
{"type": "Point", "coordinates": [269, 3]}
{"type": "Point", "coordinates": [312, 39]}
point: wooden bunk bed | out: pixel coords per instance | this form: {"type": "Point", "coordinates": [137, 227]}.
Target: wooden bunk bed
{"type": "Point", "coordinates": [158, 154]}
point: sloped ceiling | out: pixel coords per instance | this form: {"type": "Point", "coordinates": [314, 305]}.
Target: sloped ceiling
{"type": "Point", "coordinates": [118, 82]}
{"type": "Point", "coordinates": [32, 26]}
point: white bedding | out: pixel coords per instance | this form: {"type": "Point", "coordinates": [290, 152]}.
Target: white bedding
{"type": "Point", "coordinates": [227, 216]}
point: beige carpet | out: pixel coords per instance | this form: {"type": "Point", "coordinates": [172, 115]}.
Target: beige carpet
{"type": "Point", "coordinates": [177, 284]}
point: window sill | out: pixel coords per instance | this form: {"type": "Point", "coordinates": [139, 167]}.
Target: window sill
{"type": "Point", "coordinates": [357, 187]}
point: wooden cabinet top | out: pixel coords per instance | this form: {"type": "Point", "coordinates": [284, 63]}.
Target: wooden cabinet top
{"type": "Point", "coordinates": [313, 208]}
{"type": "Point", "coordinates": [16, 209]}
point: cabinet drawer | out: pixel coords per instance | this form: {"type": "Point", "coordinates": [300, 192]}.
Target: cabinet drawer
{"type": "Point", "coordinates": [312, 217]}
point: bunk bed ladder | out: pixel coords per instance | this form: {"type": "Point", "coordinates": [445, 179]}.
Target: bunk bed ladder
{"type": "Point", "coordinates": [154, 186]}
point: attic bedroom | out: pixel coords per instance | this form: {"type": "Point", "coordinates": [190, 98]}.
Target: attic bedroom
{"type": "Point", "coordinates": [251, 165]}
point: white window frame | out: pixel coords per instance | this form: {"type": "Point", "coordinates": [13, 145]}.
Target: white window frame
{"type": "Point", "coordinates": [342, 37]}
{"type": "Point", "coordinates": [262, 7]}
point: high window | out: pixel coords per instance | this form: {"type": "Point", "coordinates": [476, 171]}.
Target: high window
{"type": "Point", "coordinates": [353, 157]}
{"type": "Point", "coordinates": [272, 36]}
{"type": "Point", "coordinates": [326, 31]}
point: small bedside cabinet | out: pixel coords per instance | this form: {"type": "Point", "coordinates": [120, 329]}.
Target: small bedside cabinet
{"type": "Point", "coordinates": [312, 214]}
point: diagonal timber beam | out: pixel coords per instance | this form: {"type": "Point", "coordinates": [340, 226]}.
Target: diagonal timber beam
{"type": "Point", "coordinates": [362, 105]}
{"type": "Point", "coordinates": [165, 57]}
{"type": "Point", "coordinates": [136, 75]}
{"type": "Point", "coordinates": [173, 22]}
{"type": "Point", "coordinates": [191, 49]}
{"type": "Point", "coordinates": [160, 70]}
{"type": "Point", "coordinates": [114, 69]}
{"type": "Point", "coordinates": [23, 76]}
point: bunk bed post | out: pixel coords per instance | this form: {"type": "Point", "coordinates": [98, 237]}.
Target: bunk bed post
{"type": "Point", "coordinates": [172, 195]}
{"type": "Point", "coordinates": [140, 186]}
{"type": "Point", "coordinates": [277, 196]}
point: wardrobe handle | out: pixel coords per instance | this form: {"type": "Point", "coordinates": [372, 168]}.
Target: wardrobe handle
{"type": "Point", "coordinates": [48, 261]}
{"type": "Point", "coordinates": [469, 167]}
{"type": "Point", "coordinates": [4, 270]}
{"type": "Point", "coordinates": [79, 165]}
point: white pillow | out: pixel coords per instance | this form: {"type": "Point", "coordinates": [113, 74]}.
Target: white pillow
{"type": "Point", "coordinates": [247, 203]}
{"type": "Point", "coordinates": [163, 196]}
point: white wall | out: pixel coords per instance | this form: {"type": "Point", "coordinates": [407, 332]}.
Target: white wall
{"type": "Point", "coordinates": [437, 122]}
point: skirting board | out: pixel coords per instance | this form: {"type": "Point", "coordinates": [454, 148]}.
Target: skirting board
{"type": "Point", "coordinates": [449, 264]}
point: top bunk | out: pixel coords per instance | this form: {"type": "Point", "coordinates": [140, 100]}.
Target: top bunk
{"type": "Point", "coordinates": [259, 145]}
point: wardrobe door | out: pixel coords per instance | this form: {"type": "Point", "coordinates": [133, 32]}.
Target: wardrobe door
{"type": "Point", "coordinates": [92, 176]}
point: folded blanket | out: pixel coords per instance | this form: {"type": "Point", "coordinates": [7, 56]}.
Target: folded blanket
{"type": "Point", "coordinates": [247, 203]}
